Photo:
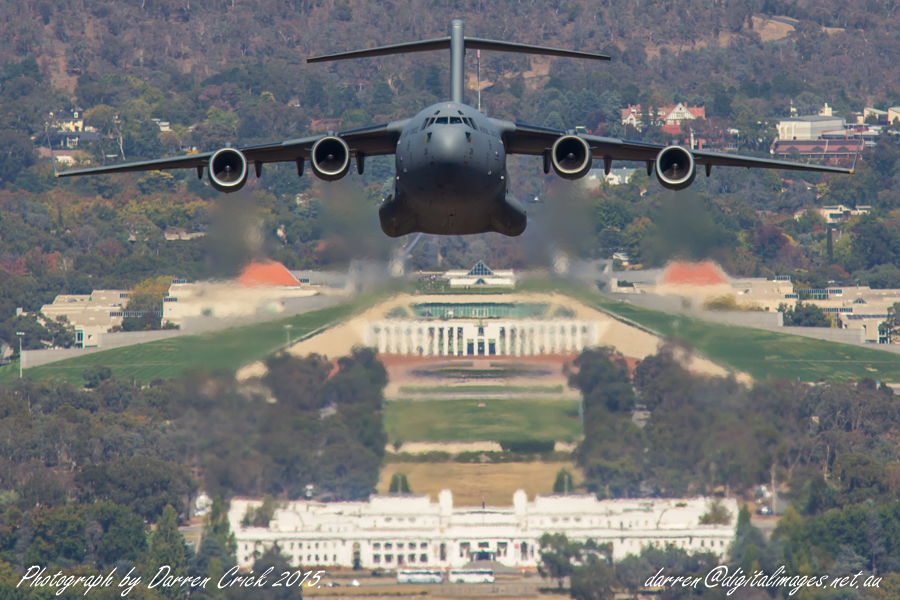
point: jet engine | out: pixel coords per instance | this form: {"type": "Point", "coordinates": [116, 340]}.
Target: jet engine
{"type": "Point", "coordinates": [330, 158]}
{"type": "Point", "coordinates": [227, 170]}
{"type": "Point", "coordinates": [675, 168]}
{"type": "Point", "coordinates": [571, 157]}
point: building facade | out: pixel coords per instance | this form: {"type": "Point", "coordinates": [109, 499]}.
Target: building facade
{"type": "Point", "coordinates": [408, 531]}
{"type": "Point", "coordinates": [808, 128]}
{"type": "Point", "coordinates": [463, 337]}
{"type": "Point", "coordinates": [89, 314]}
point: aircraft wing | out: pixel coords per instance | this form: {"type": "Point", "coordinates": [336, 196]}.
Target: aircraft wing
{"type": "Point", "coordinates": [369, 141]}
{"type": "Point", "coordinates": [520, 138]}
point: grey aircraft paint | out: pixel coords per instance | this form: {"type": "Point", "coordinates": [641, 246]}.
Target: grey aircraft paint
{"type": "Point", "coordinates": [450, 159]}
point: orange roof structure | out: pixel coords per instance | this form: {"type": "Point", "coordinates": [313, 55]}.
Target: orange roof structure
{"type": "Point", "coordinates": [267, 273]}
{"type": "Point", "coordinates": [700, 273]}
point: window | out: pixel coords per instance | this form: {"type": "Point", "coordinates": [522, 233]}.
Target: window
{"type": "Point", "coordinates": [442, 120]}
{"type": "Point", "coordinates": [388, 546]}
{"type": "Point", "coordinates": [423, 545]}
{"type": "Point", "coordinates": [388, 558]}
{"type": "Point", "coordinates": [483, 545]}
{"type": "Point", "coordinates": [376, 558]}
{"type": "Point", "coordinates": [423, 558]}
{"type": "Point", "coordinates": [501, 548]}
{"type": "Point", "coordinates": [376, 546]}
{"type": "Point", "coordinates": [455, 121]}
{"type": "Point", "coordinates": [412, 558]}
{"type": "Point", "coordinates": [400, 546]}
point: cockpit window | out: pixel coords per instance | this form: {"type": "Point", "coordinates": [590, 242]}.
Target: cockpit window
{"type": "Point", "coordinates": [456, 121]}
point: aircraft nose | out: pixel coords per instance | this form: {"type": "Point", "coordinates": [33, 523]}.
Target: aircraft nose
{"type": "Point", "coordinates": [447, 145]}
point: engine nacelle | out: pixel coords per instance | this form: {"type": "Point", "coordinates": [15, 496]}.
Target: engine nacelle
{"type": "Point", "coordinates": [675, 168]}
{"type": "Point", "coordinates": [227, 170]}
{"type": "Point", "coordinates": [330, 158]}
{"type": "Point", "coordinates": [571, 157]}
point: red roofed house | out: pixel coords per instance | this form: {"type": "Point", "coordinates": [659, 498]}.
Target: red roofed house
{"type": "Point", "coordinates": [266, 273]}
{"type": "Point", "coordinates": [703, 279]}
{"type": "Point", "coordinates": [673, 114]}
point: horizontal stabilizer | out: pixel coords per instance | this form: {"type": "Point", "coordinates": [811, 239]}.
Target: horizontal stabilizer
{"type": "Point", "coordinates": [444, 44]}
{"type": "Point", "coordinates": [480, 44]}
{"type": "Point", "coordinates": [423, 46]}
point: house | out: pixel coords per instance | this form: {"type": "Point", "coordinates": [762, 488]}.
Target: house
{"type": "Point", "coordinates": [836, 213]}
{"type": "Point", "coordinates": [177, 233]}
{"type": "Point", "coordinates": [163, 125]}
{"type": "Point", "coordinates": [672, 114]}
{"type": "Point", "coordinates": [72, 139]}
{"type": "Point", "coordinates": [325, 125]}
{"type": "Point", "coordinates": [71, 122]}
{"type": "Point", "coordinates": [615, 177]}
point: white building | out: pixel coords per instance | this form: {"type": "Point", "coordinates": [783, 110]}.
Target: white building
{"type": "Point", "coordinates": [618, 176]}
{"type": "Point", "coordinates": [406, 530]}
{"type": "Point", "coordinates": [525, 337]}
{"type": "Point", "coordinates": [836, 213]}
{"type": "Point", "coordinates": [89, 314]}
{"type": "Point", "coordinates": [480, 275]}
{"type": "Point", "coordinates": [808, 128]}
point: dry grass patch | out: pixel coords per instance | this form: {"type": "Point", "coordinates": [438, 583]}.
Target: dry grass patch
{"type": "Point", "coordinates": [470, 482]}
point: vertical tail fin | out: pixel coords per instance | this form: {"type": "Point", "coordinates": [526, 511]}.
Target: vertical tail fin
{"type": "Point", "coordinates": [457, 43]}
{"type": "Point", "coordinates": [457, 59]}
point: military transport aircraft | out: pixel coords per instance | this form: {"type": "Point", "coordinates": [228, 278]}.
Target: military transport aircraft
{"type": "Point", "coordinates": [450, 159]}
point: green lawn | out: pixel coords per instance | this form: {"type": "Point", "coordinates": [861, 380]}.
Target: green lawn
{"type": "Point", "coordinates": [757, 352]}
{"type": "Point", "coordinates": [472, 389]}
{"type": "Point", "coordinates": [760, 353]}
{"type": "Point", "coordinates": [465, 421]}
{"type": "Point", "coordinates": [228, 349]}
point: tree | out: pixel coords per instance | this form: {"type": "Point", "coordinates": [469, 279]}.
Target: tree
{"type": "Point", "coordinates": [16, 154]}
{"type": "Point", "coordinates": [563, 483]}
{"type": "Point", "coordinates": [804, 315]}
{"type": "Point", "coordinates": [217, 527]}
{"type": "Point", "coordinates": [593, 580]}
{"type": "Point", "coordinates": [399, 484]}
{"type": "Point", "coordinates": [144, 484]}
{"type": "Point", "coordinates": [716, 514]}
{"type": "Point", "coordinates": [891, 325]}
{"type": "Point", "coordinates": [557, 553]}
{"type": "Point", "coordinates": [260, 516]}
{"type": "Point", "coordinates": [167, 549]}
{"type": "Point", "coordinates": [95, 375]}
{"type": "Point", "coordinates": [603, 379]}
{"type": "Point", "coordinates": [123, 536]}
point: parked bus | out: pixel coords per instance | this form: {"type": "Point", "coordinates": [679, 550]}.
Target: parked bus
{"type": "Point", "coordinates": [472, 576]}
{"type": "Point", "coordinates": [420, 576]}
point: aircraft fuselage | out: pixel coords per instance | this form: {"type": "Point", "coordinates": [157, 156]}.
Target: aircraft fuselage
{"type": "Point", "coordinates": [451, 177]}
